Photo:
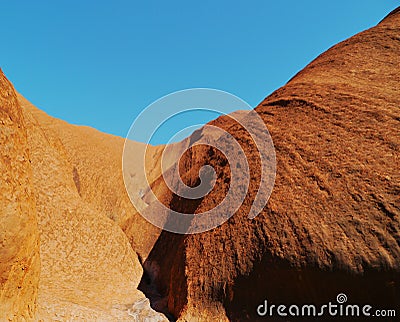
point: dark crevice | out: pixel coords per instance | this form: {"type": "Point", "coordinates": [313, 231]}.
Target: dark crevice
{"type": "Point", "coordinates": [75, 177]}
{"type": "Point", "coordinates": [164, 281]}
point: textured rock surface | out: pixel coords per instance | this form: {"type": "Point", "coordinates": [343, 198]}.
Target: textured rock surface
{"type": "Point", "coordinates": [19, 238]}
{"type": "Point", "coordinates": [93, 167]}
{"type": "Point", "coordinates": [62, 185]}
{"type": "Point", "coordinates": [89, 269]}
{"type": "Point", "coordinates": [332, 223]}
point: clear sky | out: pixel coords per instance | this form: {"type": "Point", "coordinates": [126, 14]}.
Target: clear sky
{"type": "Point", "coordinates": [99, 63]}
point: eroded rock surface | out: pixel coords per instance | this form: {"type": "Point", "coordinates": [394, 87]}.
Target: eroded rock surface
{"type": "Point", "coordinates": [89, 269]}
{"type": "Point", "coordinates": [62, 189]}
{"type": "Point", "coordinates": [332, 223]}
{"type": "Point", "coordinates": [19, 238]}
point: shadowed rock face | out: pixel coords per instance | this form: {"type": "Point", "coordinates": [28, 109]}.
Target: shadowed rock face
{"type": "Point", "coordinates": [19, 239]}
{"type": "Point", "coordinates": [332, 223]}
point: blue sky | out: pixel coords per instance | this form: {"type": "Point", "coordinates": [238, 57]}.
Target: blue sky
{"type": "Point", "coordinates": [100, 63]}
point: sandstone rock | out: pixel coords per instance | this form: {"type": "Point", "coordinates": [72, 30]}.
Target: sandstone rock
{"type": "Point", "coordinates": [332, 223]}
{"type": "Point", "coordinates": [89, 269]}
{"type": "Point", "coordinates": [19, 246]}
{"type": "Point", "coordinates": [62, 185]}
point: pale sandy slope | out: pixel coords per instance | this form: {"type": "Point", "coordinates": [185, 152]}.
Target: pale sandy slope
{"type": "Point", "coordinates": [89, 270]}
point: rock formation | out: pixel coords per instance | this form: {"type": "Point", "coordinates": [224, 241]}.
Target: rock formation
{"type": "Point", "coordinates": [74, 248]}
{"type": "Point", "coordinates": [19, 246]}
{"type": "Point", "coordinates": [62, 185]}
{"type": "Point", "coordinates": [89, 269]}
{"type": "Point", "coordinates": [332, 223]}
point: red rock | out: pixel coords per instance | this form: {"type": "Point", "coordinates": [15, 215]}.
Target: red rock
{"type": "Point", "coordinates": [332, 223]}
